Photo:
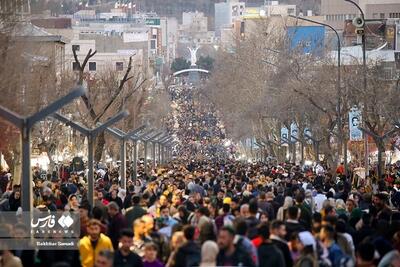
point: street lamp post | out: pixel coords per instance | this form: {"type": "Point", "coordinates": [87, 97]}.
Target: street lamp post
{"type": "Point", "coordinates": [124, 137]}
{"type": "Point", "coordinates": [25, 124]}
{"type": "Point", "coordinates": [91, 135]}
{"type": "Point", "coordinates": [364, 48]}
{"type": "Point", "coordinates": [338, 85]}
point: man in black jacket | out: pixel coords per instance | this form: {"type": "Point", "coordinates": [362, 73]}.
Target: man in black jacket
{"type": "Point", "coordinates": [268, 253]}
{"type": "Point", "coordinates": [252, 220]}
{"type": "Point", "coordinates": [292, 223]}
{"type": "Point", "coordinates": [188, 255]}
{"type": "Point", "coordinates": [135, 211]}
{"type": "Point", "coordinates": [229, 254]}
{"type": "Point", "coordinates": [277, 236]}
{"type": "Point", "coordinates": [124, 257]}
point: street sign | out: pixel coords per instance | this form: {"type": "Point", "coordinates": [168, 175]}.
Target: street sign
{"type": "Point", "coordinates": [152, 21]}
{"type": "Point", "coordinates": [360, 31]}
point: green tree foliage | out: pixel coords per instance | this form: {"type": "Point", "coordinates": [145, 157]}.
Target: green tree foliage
{"type": "Point", "coordinates": [206, 63]}
{"type": "Point", "coordinates": [180, 64]}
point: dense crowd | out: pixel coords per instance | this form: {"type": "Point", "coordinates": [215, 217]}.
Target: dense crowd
{"type": "Point", "coordinates": [224, 213]}
{"type": "Point", "coordinates": [203, 209]}
{"type": "Point", "coordinates": [196, 125]}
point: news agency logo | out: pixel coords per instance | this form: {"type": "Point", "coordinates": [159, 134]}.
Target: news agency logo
{"type": "Point", "coordinates": [44, 222]}
{"type": "Point", "coordinates": [65, 221]}
{"type": "Point", "coordinates": [49, 224]}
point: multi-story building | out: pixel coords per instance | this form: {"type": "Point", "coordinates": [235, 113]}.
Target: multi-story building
{"type": "Point", "coordinates": [273, 8]}
{"type": "Point", "coordinates": [15, 7]}
{"type": "Point", "coordinates": [107, 58]}
{"type": "Point", "coordinates": [126, 31]}
{"type": "Point", "coordinates": [43, 47]}
{"type": "Point", "coordinates": [378, 33]}
{"type": "Point", "coordinates": [193, 29]}
{"type": "Point", "coordinates": [194, 21]}
{"type": "Point", "coordinates": [226, 13]}
{"type": "Point", "coordinates": [336, 12]}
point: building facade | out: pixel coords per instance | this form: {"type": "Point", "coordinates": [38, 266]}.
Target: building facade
{"type": "Point", "coordinates": [336, 12]}
{"type": "Point", "coordinates": [226, 13]}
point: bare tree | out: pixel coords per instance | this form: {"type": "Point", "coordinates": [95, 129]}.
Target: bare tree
{"type": "Point", "coordinates": [117, 94]}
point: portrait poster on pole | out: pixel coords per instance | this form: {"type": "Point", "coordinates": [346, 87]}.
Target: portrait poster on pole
{"type": "Point", "coordinates": [284, 134]}
{"type": "Point", "coordinates": [354, 122]}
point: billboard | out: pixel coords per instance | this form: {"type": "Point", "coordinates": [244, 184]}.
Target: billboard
{"type": "Point", "coordinates": [132, 37]}
{"type": "Point", "coordinates": [307, 39]}
{"type": "Point", "coordinates": [354, 122]}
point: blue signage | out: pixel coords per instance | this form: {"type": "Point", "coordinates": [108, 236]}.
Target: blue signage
{"type": "Point", "coordinates": [284, 135]}
{"type": "Point", "coordinates": [294, 132]}
{"type": "Point", "coordinates": [307, 39]}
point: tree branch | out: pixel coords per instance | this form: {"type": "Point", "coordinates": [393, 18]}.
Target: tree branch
{"type": "Point", "coordinates": [80, 81]}
{"type": "Point", "coordinates": [117, 93]}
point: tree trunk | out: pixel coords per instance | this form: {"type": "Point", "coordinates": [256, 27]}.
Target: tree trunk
{"type": "Point", "coordinates": [100, 143]}
{"type": "Point", "coordinates": [381, 149]}
{"type": "Point", "coordinates": [328, 157]}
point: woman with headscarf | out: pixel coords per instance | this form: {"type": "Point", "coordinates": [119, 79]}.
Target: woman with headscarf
{"type": "Point", "coordinates": [209, 252]}
{"type": "Point", "coordinates": [306, 246]}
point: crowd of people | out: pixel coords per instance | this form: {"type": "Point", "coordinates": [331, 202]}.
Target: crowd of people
{"type": "Point", "coordinates": [225, 213]}
{"type": "Point", "coordinates": [196, 125]}
{"type": "Point", "coordinates": [203, 209]}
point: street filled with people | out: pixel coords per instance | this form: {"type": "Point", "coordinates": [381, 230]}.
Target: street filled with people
{"type": "Point", "coordinates": [204, 208]}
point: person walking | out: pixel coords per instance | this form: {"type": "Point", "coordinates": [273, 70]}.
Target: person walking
{"type": "Point", "coordinates": [91, 245]}
{"type": "Point", "coordinates": [124, 257]}
{"type": "Point", "coordinates": [188, 255]}
{"type": "Point", "coordinates": [209, 252]}
{"type": "Point", "coordinates": [229, 254]}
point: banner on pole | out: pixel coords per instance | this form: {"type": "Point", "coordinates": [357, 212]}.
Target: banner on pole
{"type": "Point", "coordinates": [284, 134]}
{"type": "Point", "coordinates": [354, 122]}
{"type": "Point", "coordinates": [308, 135]}
{"type": "Point", "coordinates": [294, 132]}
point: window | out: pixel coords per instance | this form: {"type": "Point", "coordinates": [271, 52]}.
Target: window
{"type": "Point", "coordinates": [387, 74]}
{"type": "Point", "coordinates": [76, 47]}
{"type": "Point", "coordinates": [119, 66]}
{"type": "Point", "coordinates": [290, 11]}
{"type": "Point", "coordinates": [152, 44]}
{"type": "Point", "coordinates": [75, 66]}
{"type": "Point", "coordinates": [382, 15]}
{"type": "Point", "coordinates": [92, 66]}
